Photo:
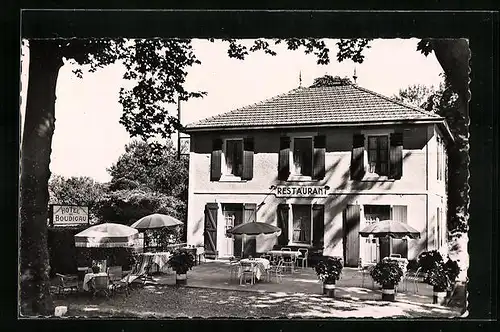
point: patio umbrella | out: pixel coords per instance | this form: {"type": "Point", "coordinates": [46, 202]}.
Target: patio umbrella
{"type": "Point", "coordinates": [253, 229]}
{"type": "Point", "coordinates": [390, 228]}
{"type": "Point", "coordinates": [107, 235]}
{"type": "Point", "coordinates": [156, 220]}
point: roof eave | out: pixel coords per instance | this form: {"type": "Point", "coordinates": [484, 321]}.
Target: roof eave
{"type": "Point", "coordinates": [309, 125]}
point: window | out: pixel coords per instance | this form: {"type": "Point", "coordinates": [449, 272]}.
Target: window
{"type": "Point", "coordinates": [378, 151]}
{"type": "Point", "coordinates": [234, 157]}
{"type": "Point", "coordinates": [375, 213]}
{"type": "Point", "coordinates": [301, 224]}
{"type": "Point", "coordinates": [302, 156]}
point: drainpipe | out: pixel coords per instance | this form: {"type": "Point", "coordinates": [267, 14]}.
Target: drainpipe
{"type": "Point", "coordinates": [427, 190]}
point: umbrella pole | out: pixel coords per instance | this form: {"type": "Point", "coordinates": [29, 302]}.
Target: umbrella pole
{"type": "Point", "coordinates": [243, 246]}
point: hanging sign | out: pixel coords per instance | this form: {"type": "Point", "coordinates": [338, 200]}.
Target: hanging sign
{"type": "Point", "coordinates": [302, 191]}
{"type": "Point", "coordinates": [70, 215]}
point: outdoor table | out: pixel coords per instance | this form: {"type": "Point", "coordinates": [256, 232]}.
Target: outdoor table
{"type": "Point", "coordinates": [88, 277]}
{"type": "Point", "coordinates": [158, 258]}
{"type": "Point", "coordinates": [261, 264]}
{"type": "Point", "coordinates": [285, 253]}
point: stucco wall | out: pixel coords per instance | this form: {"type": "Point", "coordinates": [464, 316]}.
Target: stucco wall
{"type": "Point", "coordinates": [334, 205]}
{"type": "Point", "coordinates": [337, 162]}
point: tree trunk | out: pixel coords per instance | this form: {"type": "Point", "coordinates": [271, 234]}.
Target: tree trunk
{"type": "Point", "coordinates": [45, 62]}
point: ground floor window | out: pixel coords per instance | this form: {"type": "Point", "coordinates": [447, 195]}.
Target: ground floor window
{"type": "Point", "coordinates": [301, 223]}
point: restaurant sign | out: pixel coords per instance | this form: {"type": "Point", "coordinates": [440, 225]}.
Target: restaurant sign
{"type": "Point", "coordinates": [302, 191]}
{"type": "Point", "coordinates": [69, 215]}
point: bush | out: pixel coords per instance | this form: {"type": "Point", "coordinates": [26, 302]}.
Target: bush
{"type": "Point", "coordinates": [181, 261]}
{"type": "Point", "coordinates": [124, 257]}
{"type": "Point", "coordinates": [328, 270]}
{"type": "Point", "coordinates": [428, 259]}
{"type": "Point", "coordinates": [452, 270]}
{"type": "Point", "coordinates": [437, 277]}
{"type": "Point", "coordinates": [62, 251]}
{"type": "Point", "coordinates": [387, 273]}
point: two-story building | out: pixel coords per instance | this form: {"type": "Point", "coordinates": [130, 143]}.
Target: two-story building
{"type": "Point", "coordinates": [320, 163]}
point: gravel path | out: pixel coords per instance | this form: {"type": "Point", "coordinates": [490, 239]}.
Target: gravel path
{"type": "Point", "coordinates": [176, 302]}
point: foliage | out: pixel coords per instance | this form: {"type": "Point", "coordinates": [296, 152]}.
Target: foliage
{"type": "Point", "coordinates": [328, 80]}
{"type": "Point", "coordinates": [151, 166]}
{"type": "Point", "coordinates": [328, 270]}
{"type": "Point", "coordinates": [81, 190]}
{"type": "Point", "coordinates": [181, 261]}
{"type": "Point", "coordinates": [416, 94]}
{"type": "Point", "coordinates": [452, 270]}
{"type": "Point", "coordinates": [124, 257]}
{"type": "Point", "coordinates": [163, 237]}
{"type": "Point", "coordinates": [128, 206]}
{"type": "Point", "coordinates": [428, 259]}
{"type": "Point", "coordinates": [438, 277]}
{"type": "Point", "coordinates": [387, 273]}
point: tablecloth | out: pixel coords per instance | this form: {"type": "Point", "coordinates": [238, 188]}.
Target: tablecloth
{"type": "Point", "coordinates": [284, 253]}
{"type": "Point", "coordinates": [88, 277]}
{"type": "Point", "coordinates": [261, 265]}
{"type": "Point", "coordinates": [158, 258]}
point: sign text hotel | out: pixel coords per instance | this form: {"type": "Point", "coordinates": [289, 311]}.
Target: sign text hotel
{"type": "Point", "coordinates": [69, 215]}
{"type": "Point", "coordinates": [301, 191]}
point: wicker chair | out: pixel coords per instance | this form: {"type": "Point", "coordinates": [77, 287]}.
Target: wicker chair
{"type": "Point", "coordinates": [276, 271]}
{"type": "Point", "coordinates": [234, 266]}
{"type": "Point", "coordinates": [66, 283]}
{"type": "Point", "coordinates": [414, 278]}
{"type": "Point", "coordinates": [100, 284]}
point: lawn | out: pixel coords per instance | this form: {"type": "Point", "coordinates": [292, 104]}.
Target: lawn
{"type": "Point", "coordinates": [187, 302]}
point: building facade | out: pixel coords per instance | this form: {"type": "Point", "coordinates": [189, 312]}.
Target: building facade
{"type": "Point", "coordinates": [320, 163]}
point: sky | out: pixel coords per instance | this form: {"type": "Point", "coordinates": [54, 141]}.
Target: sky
{"type": "Point", "coordinates": [88, 137]}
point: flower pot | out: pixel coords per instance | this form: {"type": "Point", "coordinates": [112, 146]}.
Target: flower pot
{"type": "Point", "coordinates": [388, 293]}
{"type": "Point", "coordinates": [329, 289]}
{"type": "Point", "coordinates": [180, 279]}
{"type": "Point", "coordinates": [439, 296]}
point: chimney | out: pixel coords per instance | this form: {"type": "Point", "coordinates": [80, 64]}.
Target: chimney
{"type": "Point", "coordinates": [354, 76]}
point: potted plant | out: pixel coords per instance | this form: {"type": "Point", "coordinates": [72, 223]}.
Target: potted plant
{"type": "Point", "coordinates": [328, 271]}
{"type": "Point", "coordinates": [387, 273]}
{"type": "Point", "coordinates": [181, 262]}
{"type": "Point", "coordinates": [438, 278]}
{"type": "Point", "coordinates": [427, 259]}
{"type": "Point", "coordinates": [452, 270]}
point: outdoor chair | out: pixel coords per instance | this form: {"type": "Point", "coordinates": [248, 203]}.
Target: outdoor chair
{"type": "Point", "coordinates": [115, 275]}
{"type": "Point", "coordinates": [289, 262]}
{"type": "Point", "coordinates": [66, 283]}
{"type": "Point", "coordinates": [100, 284]}
{"type": "Point", "coordinates": [276, 271]}
{"type": "Point", "coordinates": [234, 266]}
{"type": "Point", "coordinates": [247, 270]}
{"type": "Point", "coordinates": [365, 269]}
{"type": "Point", "coordinates": [304, 256]}
{"type": "Point", "coordinates": [413, 277]}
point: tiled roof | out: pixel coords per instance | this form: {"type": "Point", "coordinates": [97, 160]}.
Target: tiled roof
{"type": "Point", "coordinates": [343, 103]}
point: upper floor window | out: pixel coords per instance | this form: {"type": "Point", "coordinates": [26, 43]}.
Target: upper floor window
{"type": "Point", "coordinates": [440, 158]}
{"type": "Point", "coordinates": [234, 157]}
{"type": "Point", "coordinates": [302, 156]}
{"type": "Point", "coordinates": [378, 150]}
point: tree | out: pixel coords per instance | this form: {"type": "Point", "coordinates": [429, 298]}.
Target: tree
{"type": "Point", "coordinates": [77, 191]}
{"type": "Point", "coordinates": [158, 69]}
{"type": "Point", "coordinates": [417, 95]}
{"type": "Point", "coordinates": [329, 80]}
{"type": "Point", "coordinates": [159, 171]}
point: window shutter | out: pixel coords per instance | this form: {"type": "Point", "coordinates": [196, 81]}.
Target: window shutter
{"type": "Point", "coordinates": [396, 156]}
{"type": "Point", "coordinates": [357, 157]}
{"type": "Point", "coordinates": [215, 162]}
{"type": "Point", "coordinates": [249, 215]}
{"type": "Point", "coordinates": [210, 232]}
{"type": "Point", "coordinates": [319, 157]}
{"type": "Point", "coordinates": [318, 225]}
{"type": "Point", "coordinates": [284, 158]}
{"type": "Point", "coordinates": [399, 213]}
{"type": "Point", "coordinates": [248, 151]}
{"type": "Point", "coordinates": [399, 246]}
{"type": "Point", "coordinates": [283, 224]}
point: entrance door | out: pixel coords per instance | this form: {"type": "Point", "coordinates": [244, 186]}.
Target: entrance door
{"type": "Point", "coordinates": [351, 235]}
{"type": "Point", "coordinates": [233, 214]}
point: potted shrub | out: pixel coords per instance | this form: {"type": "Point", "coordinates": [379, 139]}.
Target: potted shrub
{"type": "Point", "coordinates": [387, 273]}
{"type": "Point", "coordinates": [328, 271]}
{"type": "Point", "coordinates": [427, 259]}
{"type": "Point", "coordinates": [452, 270]}
{"type": "Point", "coordinates": [181, 262]}
{"type": "Point", "coordinates": [438, 278]}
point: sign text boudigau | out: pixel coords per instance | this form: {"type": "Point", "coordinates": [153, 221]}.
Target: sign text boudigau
{"type": "Point", "coordinates": [70, 215]}
{"type": "Point", "coordinates": [301, 191]}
